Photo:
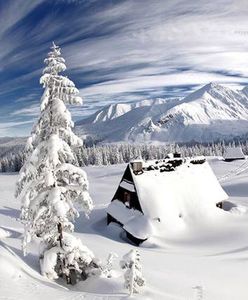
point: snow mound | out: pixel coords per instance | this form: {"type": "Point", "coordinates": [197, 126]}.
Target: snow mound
{"type": "Point", "coordinates": [140, 227]}
{"type": "Point", "coordinates": [14, 268]}
{"type": "Point", "coordinates": [101, 285]}
{"type": "Point", "coordinates": [239, 210]}
{"type": "Point", "coordinates": [10, 266]}
{"type": "Point", "coordinates": [4, 234]}
{"type": "Point", "coordinates": [8, 269]}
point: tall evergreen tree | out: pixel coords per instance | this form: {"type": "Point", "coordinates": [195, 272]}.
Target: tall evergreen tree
{"type": "Point", "coordinates": [50, 183]}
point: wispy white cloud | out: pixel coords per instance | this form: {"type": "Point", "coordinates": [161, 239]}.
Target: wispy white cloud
{"type": "Point", "coordinates": [13, 124]}
{"type": "Point", "coordinates": [125, 50]}
{"type": "Point", "coordinates": [30, 111]}
{"type": "Point", "coordinates": [156, 83]}
{"type": "Point", "coordinates": [27, 98]}
{"type": "Point", "coordinates": [13, 12]}
{"type": "Point", "coordinates": [158, 37]}
{"type": "Point", "coordinates": [15, 128]}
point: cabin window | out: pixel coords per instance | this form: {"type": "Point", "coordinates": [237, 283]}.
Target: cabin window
{"type": "Point", "coordinates": [127, 198]}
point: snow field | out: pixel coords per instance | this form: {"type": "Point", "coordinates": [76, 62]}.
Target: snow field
{"type": "Point", "coordinates": [208, 258]}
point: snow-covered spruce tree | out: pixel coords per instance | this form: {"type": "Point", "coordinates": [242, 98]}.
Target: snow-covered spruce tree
{"type": "Point", "coordinates": [106, 270]}
{"type": "Point", "coordinates": [133, 271]}
{"type": "Point", "coordinates": [50, 183]}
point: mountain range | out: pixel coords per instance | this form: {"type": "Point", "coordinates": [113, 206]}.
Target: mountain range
{"type": "Point", "coordinates": [211, 113]}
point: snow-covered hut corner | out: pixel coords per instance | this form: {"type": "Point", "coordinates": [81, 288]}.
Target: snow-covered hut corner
{"type": "Point", "coordinates": [233, 153]}
{"type": "Point", "coordinates": [155, 196]}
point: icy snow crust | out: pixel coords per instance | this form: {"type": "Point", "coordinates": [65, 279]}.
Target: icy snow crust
{"type": "Point", "coordinates": [211, 255]}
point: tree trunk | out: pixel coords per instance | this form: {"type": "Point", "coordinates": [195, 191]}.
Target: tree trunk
{"type": "Point", "coordinates": [60, 234]}
{"type": "Point", "coordinates": [132, 279]}
{"type": "Point", "coordinates": [67, 277]}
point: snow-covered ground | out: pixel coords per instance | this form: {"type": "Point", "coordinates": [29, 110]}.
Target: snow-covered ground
{"type": "Point", "coordinates": [208, 260]}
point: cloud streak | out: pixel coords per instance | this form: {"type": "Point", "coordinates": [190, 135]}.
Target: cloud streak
{"type": "Point", "coordinates": [121, 50]}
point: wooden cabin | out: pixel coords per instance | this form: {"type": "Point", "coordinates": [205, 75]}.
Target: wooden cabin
{"type": "Point", "coordinates": [163, 192]}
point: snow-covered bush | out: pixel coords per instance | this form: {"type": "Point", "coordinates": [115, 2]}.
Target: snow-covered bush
{"type": "Point", "coordinates": [50, 183]}
{"type": "Point", "coordinates": [198, 292]}
{"type": "Point", "coordinates": [4, 233]}
{"type": "Point", "coordinates": [73, 260]}
{"type": "Point", "coordinates": [133, 271]}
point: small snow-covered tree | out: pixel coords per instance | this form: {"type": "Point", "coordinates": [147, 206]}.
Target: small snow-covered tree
{"type": "Point", "coordinates": [198, 292]}
{"type": "Point", "coordinates": [50, 183]}
{"type": "Point", "coordinates": [133, 271]}
{"type": "Point", "coordinates": [106, 270]}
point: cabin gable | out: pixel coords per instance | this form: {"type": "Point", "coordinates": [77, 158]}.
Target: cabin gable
{"type": "Point", "coordinates": [126, 191]}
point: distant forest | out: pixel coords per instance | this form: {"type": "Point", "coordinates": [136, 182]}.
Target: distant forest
{"type": "Point", "coordinates": [108, 154]}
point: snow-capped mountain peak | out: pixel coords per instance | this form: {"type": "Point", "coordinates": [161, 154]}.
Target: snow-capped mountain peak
{"type": "Point", "coordinates": [116, 110]}
{"type": "Point", "coordinates": [112, 111]}
{"type": "Point", "coordinates": [206, 89]}
{"type": "Point", "coordinates": [209, 113]}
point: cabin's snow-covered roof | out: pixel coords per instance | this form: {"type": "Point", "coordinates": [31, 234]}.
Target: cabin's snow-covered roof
{"type": "Point", "coordinates": [133, 220]}
{"type": "Point", "coordinates": [137, 160]}
{"type": "Point", "coordinates": [184, 192]}
{"type": "Point", "coordinates": [234, 153]}
{"type": "Point", "coordinates": [127, 185]}
{"type": "Point", "coordinates": [121, 213]}
{"type": "Point", "coordinates": [170, 195]}
{"type": "Point", "coordinates": [140, 226]}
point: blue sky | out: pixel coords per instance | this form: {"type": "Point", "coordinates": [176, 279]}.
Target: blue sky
{"type": "Point", "coordinates": [118, 51]}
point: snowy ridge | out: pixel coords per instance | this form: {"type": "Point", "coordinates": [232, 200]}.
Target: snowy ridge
{"type": "Point", "coordinates": [112, 112]}
{"type": "Point", "coordinates": [211, 113]}
{"type": "Point", "coordinates": [120, 128]}
{"type": "Point", "coordinates": [116, 110]}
